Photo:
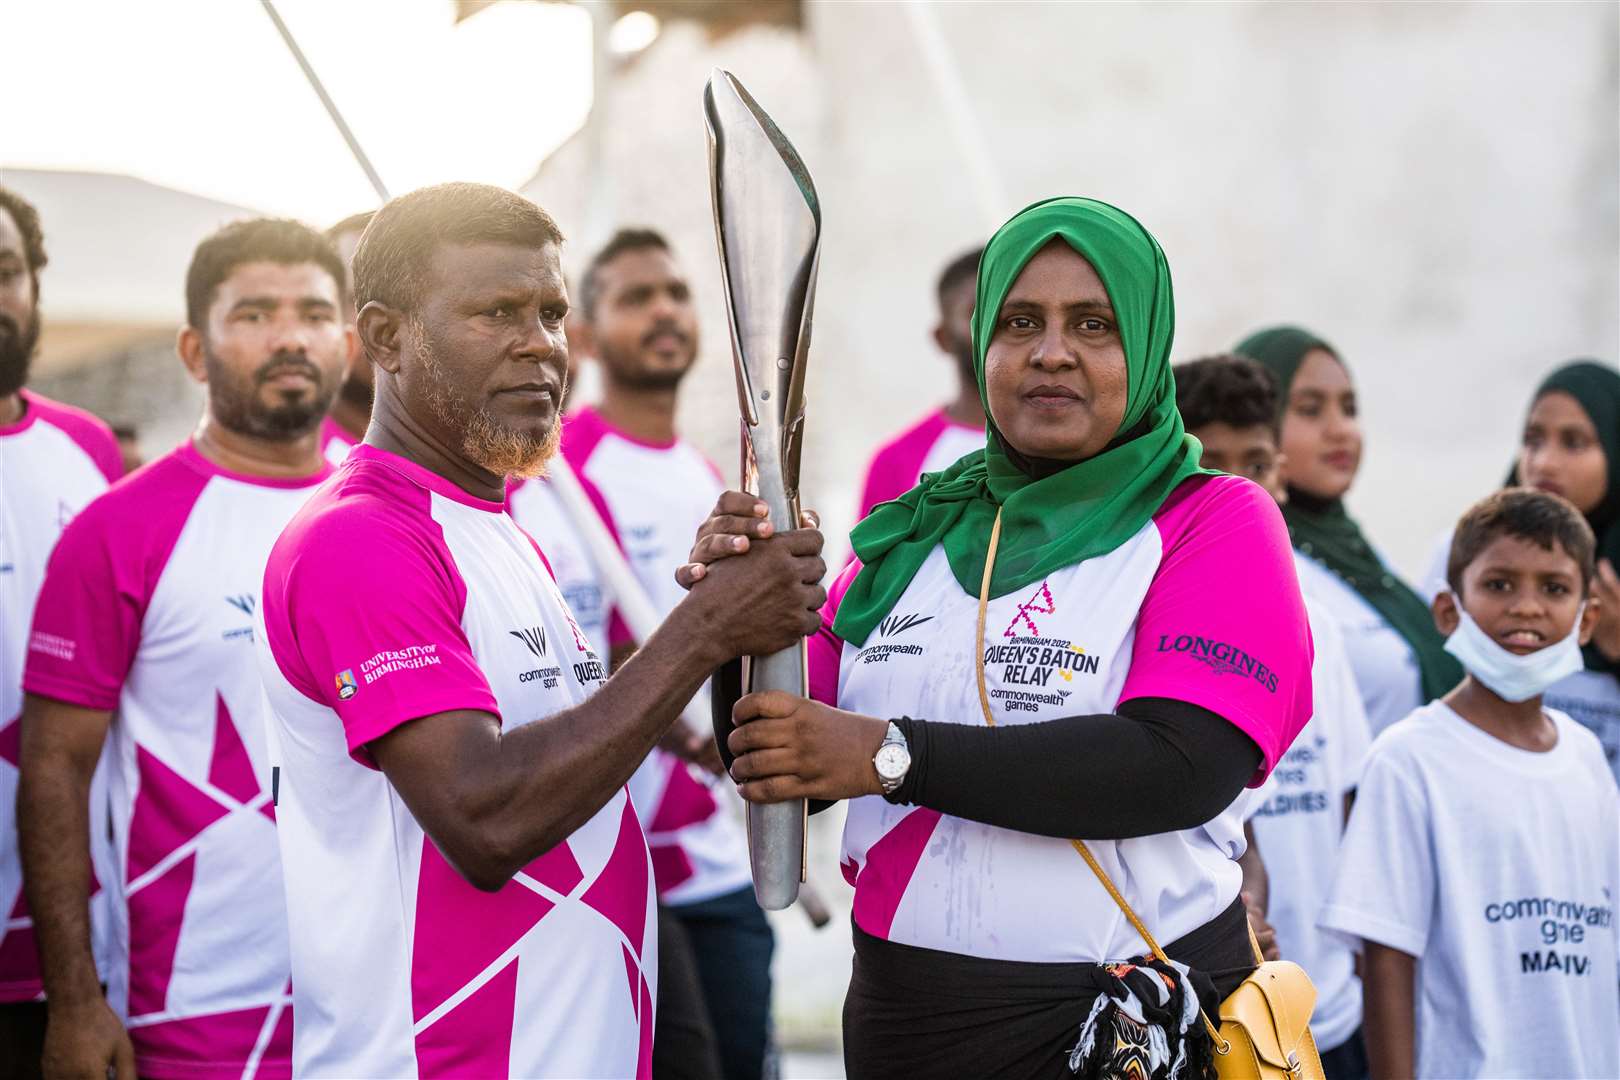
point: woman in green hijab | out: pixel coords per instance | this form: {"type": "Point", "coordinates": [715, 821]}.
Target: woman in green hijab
{"type": "Point", "coordinates": [1398, 656]}
{"type": "Point", "coordinates": [1074, 633]}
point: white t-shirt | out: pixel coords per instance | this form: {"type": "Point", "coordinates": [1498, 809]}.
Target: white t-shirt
{"type": "Point", "coordinates": [1590, 698]}
{"type": "Point", "coordinates": [148, 610]}
{"type": "Point", "coordinates": [391, 596]}
{"type": "Point", "coordinates": [1498, 869]}
{"type": "Point", "coordinates": [1386, 668]}
{"type": "Point", "coordinates": [534, 505]}
{"type": "Point", "coordinates": [1200, 606]}
{"type": "Point", "coordinates": [657, 496]}
{"type": "Point", "coordinates": [53, 461]}
{"type": "Point", "coordinates": [1298, 820]}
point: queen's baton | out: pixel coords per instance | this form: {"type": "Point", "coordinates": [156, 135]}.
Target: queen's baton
{"type": "Point", "coordinates": [768, 223]}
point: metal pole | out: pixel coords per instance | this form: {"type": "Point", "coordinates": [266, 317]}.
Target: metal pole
{"type": "Point", "coordinates": [959, 111]}
{"type": "Point", "coordinates": [326, 100]}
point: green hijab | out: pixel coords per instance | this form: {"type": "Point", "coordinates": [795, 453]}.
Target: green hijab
{"type": "Point", "coordinates": [1050, 518]}
{"type": "Point", "coordinates": [1596, 387]}
{"type": "Point", "coordinates": [1323, 530]}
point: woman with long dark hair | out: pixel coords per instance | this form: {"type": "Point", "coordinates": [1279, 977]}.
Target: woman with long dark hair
{"type": "Point", "coordinates": [1398, 656]}
{"type": "Point", "coordinates": [1075, 633]}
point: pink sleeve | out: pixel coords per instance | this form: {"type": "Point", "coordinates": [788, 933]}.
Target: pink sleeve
{"type": "Point", "coordinates": [825, 647]}
{"type": "Point", "coordinates": [87, 622]}
{"type": "Point", "coordinates": [896, 466]}
{"type": "Point", "coordinates": [891, 473]}
{"type": "Point", "coordinates": [363, 612]}
{"type": "Point", "coordinates": [87, 430]}
{"type": "Point", "coordinates": [98, 581]}
{"type": "Point", "coordinates": [1223, 625]}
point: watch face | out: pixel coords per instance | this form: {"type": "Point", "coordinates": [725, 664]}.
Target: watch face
{"type": "Point", "coordinates": [892, 761]}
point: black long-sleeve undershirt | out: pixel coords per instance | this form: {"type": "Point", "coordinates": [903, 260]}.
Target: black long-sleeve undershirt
{"type": "Point", "coordinates": [1157, 765]}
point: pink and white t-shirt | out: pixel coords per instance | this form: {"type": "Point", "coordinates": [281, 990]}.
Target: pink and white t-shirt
{"type": "Point", "coordinates": [148, 610]}
{"type": "Point", "coordinates": [335, 441]}
{"type": "Point", "coordinates": [52, 462]}
{"type": "Point", "coordinates": [536, 507]}
{"type": "Point", "coordinates": [1201, 605]}
{"type": "Point", "coordinates": [658, 495]}
{"type": "Point", "coordinates": [392, 596]}
{"type": "Point", "coordinates": [933, 444]}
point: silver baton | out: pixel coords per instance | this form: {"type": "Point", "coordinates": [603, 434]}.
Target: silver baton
{"type": "Point", "coordinates": [768, 223]}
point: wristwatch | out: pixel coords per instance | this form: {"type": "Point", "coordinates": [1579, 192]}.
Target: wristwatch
{"type": "Point", "coordinates": [892, 760]}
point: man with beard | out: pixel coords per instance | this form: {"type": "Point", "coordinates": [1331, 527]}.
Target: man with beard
{"type": "Point", "coordinates": [346, 424]}
{"type": "Point", "coordinates": [144, 631]}
{"type": "Point", "coordinates": [453, 817]}
{"type": "Point", "coordinates": [639, 322]}
{"type": "Point", "coordinates": [951, 430]}
{"type": "Point", "coordinates": [53, 460]}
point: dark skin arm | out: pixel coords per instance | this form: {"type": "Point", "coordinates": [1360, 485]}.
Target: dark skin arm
{"type": "Point", "coordinates": [1257, 895]}
{"type": "Point", "coordinates": [493, 802]}
{"type": "Point", "coordinates": [1390, 1020]}
{"type": "Point", "coordinates": [60, 746]}
{"type": "Point", "coordinates": [688, 745]}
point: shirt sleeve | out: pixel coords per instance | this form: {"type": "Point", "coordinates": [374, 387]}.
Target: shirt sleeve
{"type": "Point", "coordinates": [87, 621]}
{"type": "Point", "coordinates": [826, 648]}
{"type": "Point", "coordinates": [364, 616]}
{"type": "Point", "coordinates": [1385, 885]}
{"type": "Point", "coordinates": [1223, 625]}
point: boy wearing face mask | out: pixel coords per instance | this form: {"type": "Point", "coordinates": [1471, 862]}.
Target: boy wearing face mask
{"type": "Point", "coordinates": [1480, 869]}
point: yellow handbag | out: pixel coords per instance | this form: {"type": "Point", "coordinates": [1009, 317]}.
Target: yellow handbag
{"type": "Point", "coordinates": [1265, 1029]}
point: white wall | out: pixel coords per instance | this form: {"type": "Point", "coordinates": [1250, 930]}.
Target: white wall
{"type": "Point", "coordinates": [1431, 187]}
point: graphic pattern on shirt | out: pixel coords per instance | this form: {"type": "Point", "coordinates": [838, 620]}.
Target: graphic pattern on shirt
{"type": "Point", "coordinates": [53, 461]}
{"type": "Point", "coordinates": [658, 496]}
{"type": "Point", "coordinates": [553, 974]}
{"type": "Point", "coordinates": [1163, 615]}
{"type": "Point", "coordinates": [539, 511]}
{"type": "Point", "coordinates": [1499, 869]}
{"type": "Point", "coordinates": [148, 612]}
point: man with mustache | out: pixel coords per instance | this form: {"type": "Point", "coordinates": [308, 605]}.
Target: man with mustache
{"type": "Point", "coordinates": [638, 320]}
{"type": "Point", "coordinates": [346, 424]}
{"type": "Point", "coordinates": [144, 632]}
{"type": "Point", "coordinates": [951, 430]}
{"type": "Point", "coordinates": [53, 460]}
{"type": "Point", "coordinates": [469, 890]}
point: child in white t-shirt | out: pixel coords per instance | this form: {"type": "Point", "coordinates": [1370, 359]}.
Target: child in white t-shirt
{"type": "Point", "coordinates": [1295, 820]}
{"type": "Point", "coordinates": [1482, 861]}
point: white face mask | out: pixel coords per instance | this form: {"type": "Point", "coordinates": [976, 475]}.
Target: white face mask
{"type": "Point", "coordinates": [1509, 676]}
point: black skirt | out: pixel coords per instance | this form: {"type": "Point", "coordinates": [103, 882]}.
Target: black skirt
{"type": "Point", "coordinates": [921, 1013]}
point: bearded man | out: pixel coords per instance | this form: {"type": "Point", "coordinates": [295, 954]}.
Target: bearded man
{"type": "Point", "coordinates": [469, 890]}
{"type": "Point", "coordinates": [53, 460]}
{"type": "Point", "coordinates": [144, 631]}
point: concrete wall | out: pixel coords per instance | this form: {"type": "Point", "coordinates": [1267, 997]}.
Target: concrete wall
{"type": "Point", "coordinates": [1431, 187]}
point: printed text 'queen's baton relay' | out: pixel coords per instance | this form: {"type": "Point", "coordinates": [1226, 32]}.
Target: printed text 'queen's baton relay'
{"type": "Point", "coordinates": [768, 222]}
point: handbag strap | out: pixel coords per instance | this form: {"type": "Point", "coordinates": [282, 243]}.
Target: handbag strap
{"type": "Point", "coordinates": [1079, 845]}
